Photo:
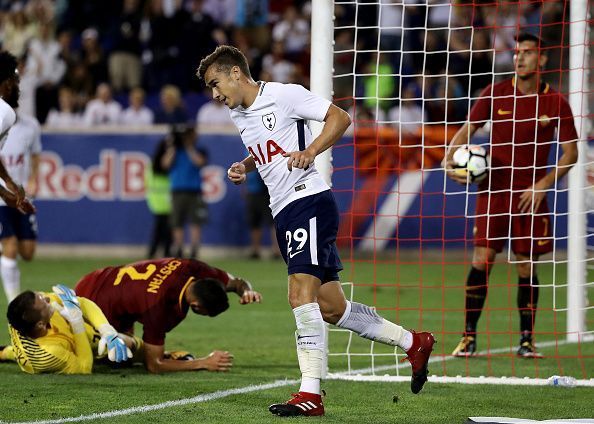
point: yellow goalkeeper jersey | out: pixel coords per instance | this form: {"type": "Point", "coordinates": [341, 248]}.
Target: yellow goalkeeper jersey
{"type": "Point", "coordinates": [60, 351]}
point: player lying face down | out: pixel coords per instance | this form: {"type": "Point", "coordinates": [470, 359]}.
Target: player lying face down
{"type": "Point", "coordinates": [158, 294]}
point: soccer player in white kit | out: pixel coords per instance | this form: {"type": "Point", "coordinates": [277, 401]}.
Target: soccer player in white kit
{"type": "Point", "coordinates": [18, 231]}
{"type": "Point", "coordinates": [12, 193]}
{"type": "Point", "coordinates": [271, 120]}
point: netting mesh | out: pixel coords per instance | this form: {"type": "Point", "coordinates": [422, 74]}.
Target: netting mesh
{"type": "Point", "coordinates": [409, 72]}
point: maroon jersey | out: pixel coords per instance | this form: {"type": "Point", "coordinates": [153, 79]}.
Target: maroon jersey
{"type": "Point", "coordinates": [522, 132]}
{"type": "Point", "coordinates": [150, 292]}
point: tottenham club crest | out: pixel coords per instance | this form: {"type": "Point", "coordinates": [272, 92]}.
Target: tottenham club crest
{"type": "Point", "coordinates": [269, 121]}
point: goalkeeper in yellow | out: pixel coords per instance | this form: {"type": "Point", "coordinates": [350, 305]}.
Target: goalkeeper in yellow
{"type": "Point", "coordinates": [61, 333]}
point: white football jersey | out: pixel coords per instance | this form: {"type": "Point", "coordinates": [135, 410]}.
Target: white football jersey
{"type": "Point", "coordinates": [274, 124]}
{"type": "Point", "coordinates": [7, 120]}
{"type": "Point", "coordinates": [24, 140]}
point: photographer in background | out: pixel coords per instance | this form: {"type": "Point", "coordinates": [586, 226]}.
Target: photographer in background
{"type": "Point", "coordinates": [184, 160]}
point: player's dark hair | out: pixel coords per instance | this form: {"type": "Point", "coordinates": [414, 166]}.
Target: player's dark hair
{"type": "Point", "coordinates": [8, 66]}
{"type": "Point", "coordinates": [528, 36]}
{"type": "Point", "coordinates": [224, 58]}
{"type": "Point", "coordinates": [21, 314]}
{"type": "Point", "coordinates": [212, 295]}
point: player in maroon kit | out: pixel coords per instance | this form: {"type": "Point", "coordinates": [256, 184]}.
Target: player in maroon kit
{"type": "Point", "coordinates": [158, 294]}
{"type": "Point", "coordinates": [527, 117]}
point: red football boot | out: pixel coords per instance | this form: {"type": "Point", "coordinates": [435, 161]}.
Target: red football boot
{"type": "Point", "coordinates": [301, 404]}
{"type": "Point", "coordinates": [418, 355]}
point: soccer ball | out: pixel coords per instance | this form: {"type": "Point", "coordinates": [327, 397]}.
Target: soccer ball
{"type": "Point", "coordinates": [471, 161]}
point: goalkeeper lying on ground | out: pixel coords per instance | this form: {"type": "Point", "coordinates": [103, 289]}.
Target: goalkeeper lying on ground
{"type": "Point", "coordinates": [62, 333]}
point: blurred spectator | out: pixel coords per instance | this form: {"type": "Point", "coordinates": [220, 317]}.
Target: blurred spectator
{"type": "Point", "coordinates": [80, 81]}
{"type": "Point", "coordinates": [408, 116]}
{"type": "Point", "coordinates": [171, 110]}
{"type": "Point", "coordinates": [158, 199]}
{"type": "Point", "coordinates": [184, 162]}
{"type": "Point", "coordinates": [197, 25]}
{"type": "Point", "coordinates": [391, 21]}
{"type": "Point", "coordinates": [93, 56]}
{"type": "Point", "coordinates": [380, 85]}
{"type": "Point", "coordinates": [29, 78]}
{"type": "Point", "coordinates": [69, 55]}
{"type": "Point", "coordinates": [251, 23]}
{"type": "Point", "coordinates": [213, 113]}
{"type": "Point", "coordinates": [293, 32]}
{"type": "Point", "coordinates": [160, 36]}
{"type": "Point", "coordinates": [137, 113]}
{"type": "Point", "coordinates": [46, 51]}
{"type": "Point", "coordinates": [259, 216]}
{"type": "Point", "coordinates": [125, 68]}
{"type": "Point", "coordinates": [279, 68]}
{"type": "Point", "coordinates": [222, 11]}
{"type": "Point", "coordinates": [18, 31]}
{"type": "Point", "coordinates": [67, 115]}
{"type": "Point", "coordinates": [102, 110]}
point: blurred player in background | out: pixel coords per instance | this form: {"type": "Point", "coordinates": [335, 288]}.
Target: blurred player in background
{"type": "Point", "coordinates": [12, 193]}
{"type": "Point", "coordinates": [61, 333]}
{"type": "Point", "coordinates": [158, 294]}
{"type": "Point", "coordinates": [184, 161]}
{"type": "Point", "coordinates": [526, 116]}
{"type": "Point", "coordinates": [158, 199]}
{"type": "Point", "coordinates": [271, 120]}
{"type": "Point", "coordinates": [18, 231]}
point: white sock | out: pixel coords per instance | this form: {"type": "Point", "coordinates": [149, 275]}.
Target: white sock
{"type": "Point", "coordinates": [364, 321]}
{"type": "Point", "coordinates": [11, 277]}
{"type": "Point", "coordinates": [311, 345]}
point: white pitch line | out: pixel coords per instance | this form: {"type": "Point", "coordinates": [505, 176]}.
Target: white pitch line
{"type": "Point", "coordinates": [147, 408]}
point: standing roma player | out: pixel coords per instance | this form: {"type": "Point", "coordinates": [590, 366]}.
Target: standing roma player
{"type": "Point", "coordinates": [158, 294]}
{"type": "Point", "coordinates": [271, 119]}
{"type": "Point", "coordinates": [527, 117]}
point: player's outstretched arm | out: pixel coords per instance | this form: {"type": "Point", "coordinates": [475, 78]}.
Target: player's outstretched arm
{"type": "Point", "coordinates": [336, 123]}
{"type": "Point", "coordinates": [155, 361]}
{"type": "Point", "coordinates": [463, 136]}
{"type": "Point", "coordinates": [244, 290]}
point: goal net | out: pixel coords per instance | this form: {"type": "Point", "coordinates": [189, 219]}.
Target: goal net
{"type": "Point", "coordinates": [408, 72]}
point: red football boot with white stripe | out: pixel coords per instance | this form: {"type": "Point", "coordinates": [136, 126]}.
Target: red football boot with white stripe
{"type": "Point", "coordinates": [301, 404]}
{"type": "Point", "coordinates": [418, 355]}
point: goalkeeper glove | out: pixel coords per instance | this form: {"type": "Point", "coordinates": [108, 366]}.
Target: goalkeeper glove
{"type": "Point", "coordinates": [117, 351]}
{"type": "Point", "coordinates": [70, 308]}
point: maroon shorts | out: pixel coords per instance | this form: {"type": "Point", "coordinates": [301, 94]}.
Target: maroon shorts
{"type": "Point", "coordinates": [498, 221]}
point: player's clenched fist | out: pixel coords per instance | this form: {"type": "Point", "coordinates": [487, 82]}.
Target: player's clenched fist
{"type": "Point", "coordinates": [236, 173]}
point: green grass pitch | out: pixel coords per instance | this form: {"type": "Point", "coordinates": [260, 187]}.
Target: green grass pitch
{"type": "Point", "coordinates": [261, 338]}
